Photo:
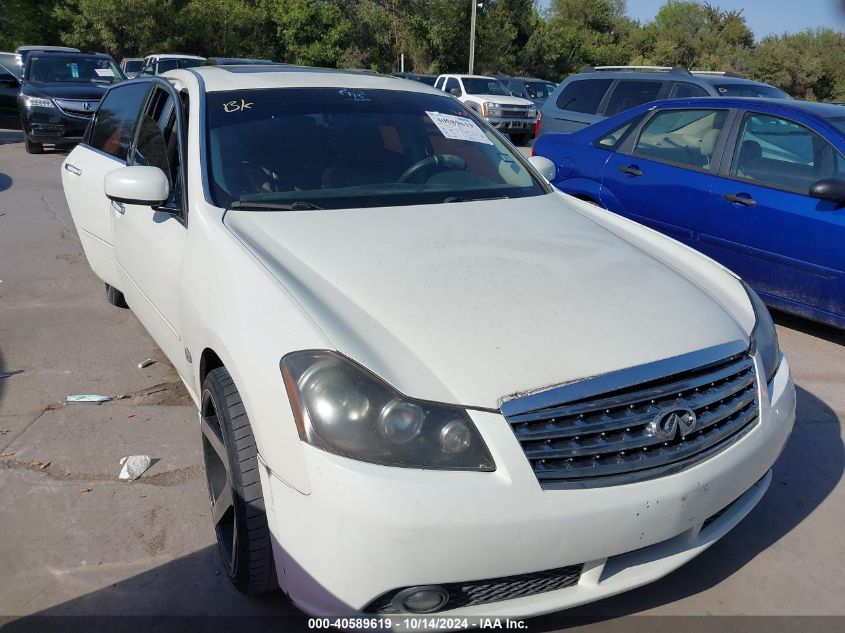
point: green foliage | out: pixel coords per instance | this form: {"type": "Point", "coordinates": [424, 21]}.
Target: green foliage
{"type": "Point", "coordinates": [511, 37]}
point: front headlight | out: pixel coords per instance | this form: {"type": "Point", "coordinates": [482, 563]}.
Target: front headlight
{"type": "Point", "coordinates": [532, 112]}
{"type": "Point", "coordinates": [491, 109]}
{"type": "Point", "coordinates": [342, 408]}
{"type": "Point", "coordinates": [764, 338]}
{"type": "Point", "coordinates": [37, 102]}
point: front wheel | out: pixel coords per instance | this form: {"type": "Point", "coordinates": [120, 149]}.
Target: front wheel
{"type": "Point", "coordinates": [115, 297]}
{"type": "Point", "coordinates": [32, 147]}
{"type": "Point", "coordinates": [234, 487]}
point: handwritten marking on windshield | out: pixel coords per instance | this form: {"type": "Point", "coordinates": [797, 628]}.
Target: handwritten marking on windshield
{"type": "Point", "coordinates": [237, 106]}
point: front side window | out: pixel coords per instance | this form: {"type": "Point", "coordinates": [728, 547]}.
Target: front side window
{"type": "Point", "coordinates": [345, 148]}
{"type": "Point", "coordinates": [583, 95]}
{"type": "Point", "coordinates": [778, 152]}
{"type": "Point", "coordinates": [72, 69]}
{"type": "Point", "coordinates": [114, 124]}
{"type": "Point", "coordinates": [173, 64]}
{"type": "Point", "coordinates": [479, 86]}
{"type": "Point", "coordinates": [682, 137]}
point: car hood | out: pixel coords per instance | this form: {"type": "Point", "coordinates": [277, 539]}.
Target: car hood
{"type": "Point", "coordinates": [505, 100]}
{"type": "Point", "coordinates": [64, 90]}
{"type": "Point", "coordinates": [471, 303]}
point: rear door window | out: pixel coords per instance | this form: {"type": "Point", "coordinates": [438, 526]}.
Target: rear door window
{"type": "Point", "coordinates": [682, 137]}
{"type": "Point", "coordinates": [114, 124]}
{"type": "Point", "coordinates": [583, 95]}
{"type": "Point", "coordinates": [452, 83]}
{"type": "Point", "coordinates": [630, 93]}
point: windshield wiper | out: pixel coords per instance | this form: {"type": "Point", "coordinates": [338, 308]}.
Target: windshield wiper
{"type": "Point", "coordinates": [298, 205]}
{"type": "Point", "coordinates": [460, 199]}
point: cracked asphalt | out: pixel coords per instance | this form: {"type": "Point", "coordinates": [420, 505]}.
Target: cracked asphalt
{"type": "Point", "coordinates": [74, 540]}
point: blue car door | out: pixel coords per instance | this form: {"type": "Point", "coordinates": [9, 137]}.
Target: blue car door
{"type": "Point", "coordinates": [662, 175]}
{"type": "Point", "coordinates": [763, 224]}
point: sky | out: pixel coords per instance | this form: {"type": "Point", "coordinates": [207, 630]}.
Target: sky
{"type": "Point", "coordinates": [766, 17]}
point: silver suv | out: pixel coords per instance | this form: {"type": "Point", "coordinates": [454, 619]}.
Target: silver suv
{"type": "Point", "coordinates": [602, 91]}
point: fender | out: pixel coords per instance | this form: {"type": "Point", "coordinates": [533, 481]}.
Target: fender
{"type": "Point", "coordinates": [583, 188]}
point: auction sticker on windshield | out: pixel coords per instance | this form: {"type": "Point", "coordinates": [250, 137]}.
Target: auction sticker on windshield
{"type": "Point", "coordinates": [458, 128]}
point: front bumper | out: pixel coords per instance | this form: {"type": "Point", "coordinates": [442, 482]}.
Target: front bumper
{"type": "Point", "coordinates": [512, 124]}
{"type": "Point", "coordinates": [52, 125]}
{"type": "Point", "coordinates": [366, 530]}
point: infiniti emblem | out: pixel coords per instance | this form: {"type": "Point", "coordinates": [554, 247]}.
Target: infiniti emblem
{"type": "Point", "coordinates": [668, 424]}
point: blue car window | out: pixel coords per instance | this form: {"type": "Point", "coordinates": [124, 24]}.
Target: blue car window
{"type": "Point", "coordinates": [682, 137]}
{"type": "Point", "coordinates": [614, 138]}
{"type": "Point", "coordinates": [775, 151]}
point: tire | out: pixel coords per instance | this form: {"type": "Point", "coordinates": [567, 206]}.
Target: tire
{"type": "Point", "coordinates": [32, 147]}
{"type": "Point", "coordinates": [234, 487]}
{"type": "Point", "coordinates": [520, 139]}
{"type": "Point", "coordinates": [115, 297]}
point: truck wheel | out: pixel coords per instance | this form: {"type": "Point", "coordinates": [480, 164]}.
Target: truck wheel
{"type": "Point", "coordinates": [234, 487]}
{"type": "Point", "coordinates": [115, 297]}
{"type": "Point", "coordinates": [520, 139]}
{"type": "Point", "coordinates": [32, 147]}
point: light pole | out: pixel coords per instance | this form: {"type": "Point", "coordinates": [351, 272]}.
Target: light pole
{"type": "Point", "coordinates": [475, 6]}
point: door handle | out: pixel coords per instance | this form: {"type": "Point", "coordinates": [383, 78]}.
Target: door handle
{"type": "Point", "coordinates": [743, 199]}
{"type": "Point", "coordinates": [73, 169]}
{"type": "Point", "coordinates": [119, 207]}
{"type": "Point", "coordinates": [631, 170]}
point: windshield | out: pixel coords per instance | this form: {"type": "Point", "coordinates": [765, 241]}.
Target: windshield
{"type": "Point", "coordinates": [480, 86]}
{"type": "Point", "coordinates": [751, 90]}
{"type": "Point", "coordinates": [339, 148]}
{"type": "Point", "coordinates": [172, 64]}
{"type": "Point", "coordinates": [73, 68]}
{"type": "Point", "coordinates": [539, 89]}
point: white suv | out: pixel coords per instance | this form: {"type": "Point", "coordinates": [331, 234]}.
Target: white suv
{"type": "Point", "coordinates": [488, 97]}
{"type": "Point", "coordinates": [427, 381]}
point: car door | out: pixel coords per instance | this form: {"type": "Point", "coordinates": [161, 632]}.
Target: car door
{"type": "Point", "coordinates": [150, 241]}
{"type": "Point", "coordinates": [104, 148]}
{"type": "Point", "coordinates": [762, 223]}
{"type": "Point", "coordinates": [662, 174]}
{"type": "Point", "coordinates": [9, 89]}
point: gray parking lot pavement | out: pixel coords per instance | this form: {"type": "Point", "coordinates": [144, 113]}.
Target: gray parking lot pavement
{"type": "Point", "coordinates": [77, 541]}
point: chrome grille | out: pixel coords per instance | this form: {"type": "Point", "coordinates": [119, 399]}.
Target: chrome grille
{"type": "Point", "coordinates": [515, 112]}
{"type": "Point", "coordinates": [78, 107]}
{"type": "Point", "coordinates": [611, 437]}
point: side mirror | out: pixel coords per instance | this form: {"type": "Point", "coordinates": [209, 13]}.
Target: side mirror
{"type": "Point", "coordinates": [146, 186]}
{"type": "Point", "coordinates": [455, 91]}
{"type": "Point", "coordinates": [547, 168]}
{"type": "Point", "coordinates": [832, 189]}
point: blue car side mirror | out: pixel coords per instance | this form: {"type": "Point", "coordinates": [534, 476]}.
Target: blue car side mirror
{"type": "Point", "coordinates": [832, 189]}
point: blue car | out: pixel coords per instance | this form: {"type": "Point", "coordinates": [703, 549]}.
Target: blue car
{"type": "Point", "coordinates": [756, 184]}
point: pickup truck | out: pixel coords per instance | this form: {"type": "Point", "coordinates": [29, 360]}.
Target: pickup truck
{"type": "Point", "coordinates": [488, 97]}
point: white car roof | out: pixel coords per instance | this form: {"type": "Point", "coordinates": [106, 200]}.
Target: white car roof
{"type": "Point", "coordinates": [220, 78]}
{"type": "Point", "coordinates": [468, 76]}
{"type": "Point", "coordinates": [172, 56]}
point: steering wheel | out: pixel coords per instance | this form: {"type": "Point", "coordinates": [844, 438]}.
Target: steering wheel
{"type": "Point", "coordinates": [435, 162]}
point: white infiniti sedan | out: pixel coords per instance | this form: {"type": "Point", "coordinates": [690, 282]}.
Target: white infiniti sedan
{"type": "Point", "coordinates": [428, 383]}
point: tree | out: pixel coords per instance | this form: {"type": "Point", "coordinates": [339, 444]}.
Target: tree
{"type": "Point", "coordinates": [27, 22]}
